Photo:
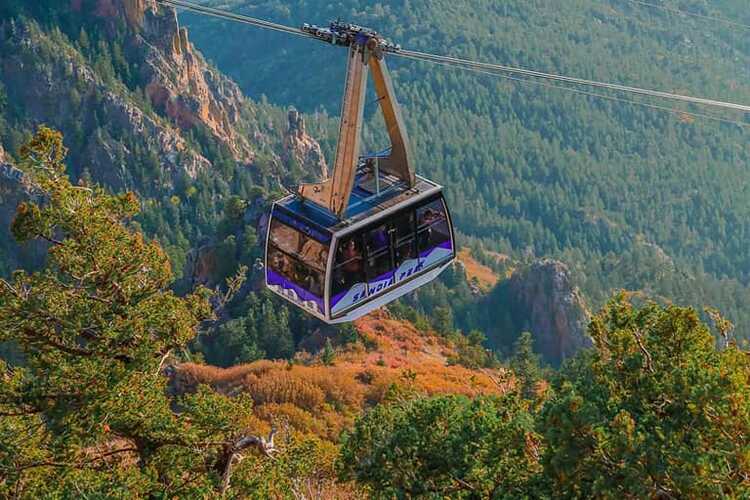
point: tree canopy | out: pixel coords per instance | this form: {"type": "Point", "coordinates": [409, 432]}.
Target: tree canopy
{"type": "Point", "coordinates": [88, 411]}
{"type": "Point", "coordinates": [655, 410]}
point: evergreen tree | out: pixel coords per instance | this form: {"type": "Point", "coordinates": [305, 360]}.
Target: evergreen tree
{"type": "Point", "coordinates": [445, 447]}
{"type": "Point", "coordinates": [656, 410]}
{"type": "Point", "coordinates": [525, 365]}
{"type": "Point", "coordinates": [328, 356]}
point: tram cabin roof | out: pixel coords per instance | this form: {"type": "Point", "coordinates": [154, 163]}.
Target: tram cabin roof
{"type": "Point", "coordinates": [370, 197]}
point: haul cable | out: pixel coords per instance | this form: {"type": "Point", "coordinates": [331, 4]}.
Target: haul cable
{"type": "Point", "coordinates": [465, 63]}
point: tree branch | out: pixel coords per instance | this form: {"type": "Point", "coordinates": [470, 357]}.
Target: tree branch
{"type": "Point", "coordinates": [646, 354]}
{"type": "Point", "coordinates": [74, 351]}
{"type": "Point", "coordinates": [50, 239]}
{"type": "Point", "coordinates": [77, 465]}
{"type": "Point", "coordinates": [163, 359]}
{"type": "Point", "coordinates": [232, 454]}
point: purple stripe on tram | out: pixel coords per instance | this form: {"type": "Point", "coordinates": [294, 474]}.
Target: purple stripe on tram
{"type": "Point", "coordinates": [275, 278]}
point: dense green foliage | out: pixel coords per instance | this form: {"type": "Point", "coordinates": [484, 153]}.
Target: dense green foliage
{"type": "Point", "coordinates": [654, 411]}
{"type": "Point", "coordinates": [630, 197]}
{"type": "Point", "coordinates": [93, 327]}
{"type": "Point", "coordinates": [444, 447]}
{"type": "Point", "coordinates": [89, 414]}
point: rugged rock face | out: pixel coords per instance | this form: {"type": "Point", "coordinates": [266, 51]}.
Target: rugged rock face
{"type": "Point", "coordinates": [138, 105]}
{"type": "Point", "coordinates": [181, 84]}
{"type": "Point", "coordinates": [51, 85]}
{"type": "Point", "coordinates": [551, 308]}
{"type": "Point", "coordinates": [202, 266]}
{"type": "Point", "coordinates": [303, 149]}
{"type": "Point", "coordinates": [12, 192]}
{"type": "Point", "coordinates": [176, 78]}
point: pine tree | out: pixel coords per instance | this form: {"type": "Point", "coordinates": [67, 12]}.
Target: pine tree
{"type": "Point", "coordinates": [328, 356]}
{"type": "Point", "coordinates": [525, 365]}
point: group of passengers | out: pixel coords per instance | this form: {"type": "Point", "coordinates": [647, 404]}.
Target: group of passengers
{"type": "Point", "coordinates": [306, 277]}
{"type": "Point", "coordinates": [307, 269]}
{"type": "Point", "coordinates": [351, 268]}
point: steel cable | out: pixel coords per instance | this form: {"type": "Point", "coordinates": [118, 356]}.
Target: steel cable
{"type": "Point", "coordinates": [464, 63]}
{"type": "Point", "coordinates": [497, 69]}
{"type": "Point", "coordinates": [223, 14]}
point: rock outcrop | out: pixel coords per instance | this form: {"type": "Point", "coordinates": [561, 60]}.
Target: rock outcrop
{"type": "Point", "coordinates": [53, 85]}
{"type": "Point", "coordinates": [139, 107]}
{"type": "Point", "coordinates": [181, 84]}
{"type": "Point", "coordinates": [545, 302]}
{"type": "Point", "coordinates": [302, 149]}
{"type": "Point", "coordinates": [13, 190]}
{"type": "Point", "coordinates": [176, 78]}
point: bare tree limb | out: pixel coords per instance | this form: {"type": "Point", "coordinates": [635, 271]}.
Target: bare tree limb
{"type": "Point", "coordinates": [50, 239]}
{"type": "Point", "coordinates": [76, 465]}
{"type": "Point", "coordinates": [234, 454]}
{"type": "Point", "coordinates": [646, 354]}
{"type": "Point", "coordinates": [163, 359]}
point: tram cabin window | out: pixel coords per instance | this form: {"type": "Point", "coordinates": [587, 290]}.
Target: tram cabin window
{"type": "Point", "coordinates": [378, 253]}
{"type": "Point", "coordinates": [348, 269]}
{"type": "Point", "coordinates": [432, 226]}
{"type": "Point", "coordinates": [403, 232]}
{"type": "Point", "coordinates": [297, 257]}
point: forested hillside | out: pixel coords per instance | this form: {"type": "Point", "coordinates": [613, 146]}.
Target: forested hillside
{"type": "Point", "coordinates": [630, 197]}
{"type": "Point", "coordinates": [140, 110]}
{"type": "Point", "coordinates": [142, 357]}
{"type": "Point", "coordinates": [96, 407]}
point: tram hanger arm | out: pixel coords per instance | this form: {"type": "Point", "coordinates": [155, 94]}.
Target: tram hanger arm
{"type": "Point", "coordinates": [334, 193]}
{"type": "Point", "coordinates": [399, 162]}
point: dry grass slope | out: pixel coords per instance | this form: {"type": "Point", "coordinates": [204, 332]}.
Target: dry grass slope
{"type": "Point", "coordinates": [483, 276]}
{"type": "Point", "coordinates": [324, 400]}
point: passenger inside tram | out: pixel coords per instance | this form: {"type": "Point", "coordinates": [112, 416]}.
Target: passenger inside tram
{"type": "Point", "coordinates": [351, 269]}
{"type": "Point", "coordinates": [298, 257]}
{"type": "Point", "coordinates": [433, 226]}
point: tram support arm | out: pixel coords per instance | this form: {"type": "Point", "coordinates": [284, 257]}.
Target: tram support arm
{"type": "Point", "coordinates": [398, 163]}
{"type": "Point", "coordinates": [333, 193]}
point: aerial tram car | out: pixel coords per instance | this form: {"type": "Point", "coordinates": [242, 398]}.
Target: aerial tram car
{"type": "Point", "coordinates": [374, 230]}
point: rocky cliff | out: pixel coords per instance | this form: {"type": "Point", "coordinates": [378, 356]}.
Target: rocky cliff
{"type": "Point", "coordinates": [12, 192]}
{"type": "Point", "coordinates": [540, 298]}
{"type": "Point", "coordinates": [546, 303]}
{"type": "Point", "coordinates": [49, 82]}
{"type": "Point", "coordinates": [61, 81]}
{"type": "Point", "coordinates": [178, 81]}
{"type": "Point", "coordinates": [302, 149]}
{"type": "Point", "coordinates": [139, 108]}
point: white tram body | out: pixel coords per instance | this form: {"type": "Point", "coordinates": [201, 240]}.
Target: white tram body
{"type": "Point", "coordinates": [390, 243]}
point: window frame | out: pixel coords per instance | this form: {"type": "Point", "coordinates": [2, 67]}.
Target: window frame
{"type": "Point", "coordinates": [445, 219]}
{"type": "Point", "coordinates": [358, 237]}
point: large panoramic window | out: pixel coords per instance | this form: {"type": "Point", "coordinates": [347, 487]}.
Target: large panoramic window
{"type": "Point", "coordinates": [297, 257]}
{"type": "Point", "coordinates": [349, 267]}
{"type": "Point", "coordinates": [379, 264]}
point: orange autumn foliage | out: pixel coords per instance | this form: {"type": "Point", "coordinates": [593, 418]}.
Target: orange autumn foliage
{"type": "Point", "coordinates": [325, 400]}
{"type": "Point", "coordinates": [484, 276]}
